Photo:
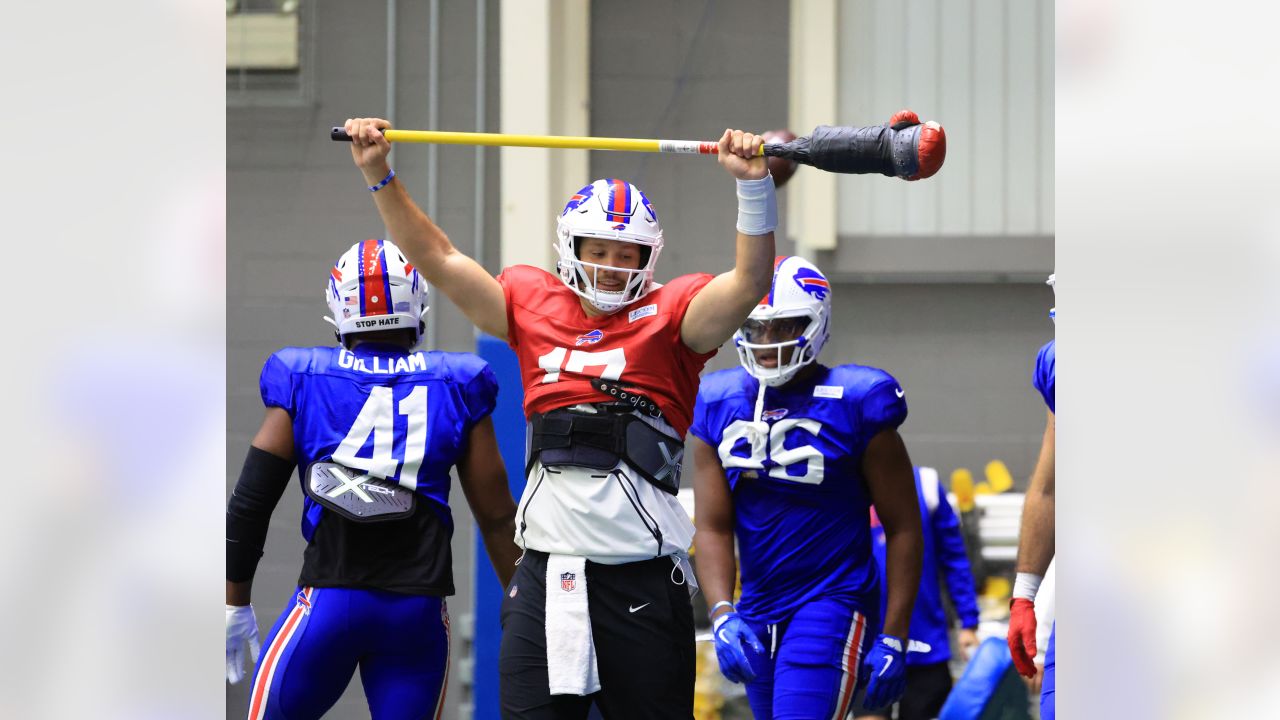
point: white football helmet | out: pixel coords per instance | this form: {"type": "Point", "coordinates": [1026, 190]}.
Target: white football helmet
{"type": "Point", "coordinates": [612, 210]}
{"type": "Point", "coordinates": [796, 313]}
{"type": "Point", "coordinates": [1053, 311]}
{"type": "Point", "coordinates": [373, 287]}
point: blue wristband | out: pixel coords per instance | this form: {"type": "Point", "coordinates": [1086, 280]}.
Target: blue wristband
{"type": "Point", "coordinates": [385, 180]}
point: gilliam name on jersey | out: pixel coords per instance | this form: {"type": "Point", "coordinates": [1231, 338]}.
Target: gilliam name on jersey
{"type": "Point", "coordinates": [414, 362]}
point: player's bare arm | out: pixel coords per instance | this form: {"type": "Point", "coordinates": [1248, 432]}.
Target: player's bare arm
{"type": "Point", "coordinates": [276, 434]}
{"type": "Point", "coordinates": [890, 477]}
{"type": "Point", "coordinates": [713, 517]}
{"type": "Point", "coordinates": [721, 307]}
{"type": "Point", "coordinates": [276, 437]}
{"type": "Point", "coordinates": [1036, 538]}
{"type": "Point", "coordinates": [462, 279]}
{"type": "Point", "coordinates": [484, 483]}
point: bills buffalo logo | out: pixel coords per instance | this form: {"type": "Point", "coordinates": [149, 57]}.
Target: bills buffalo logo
{"type": "Point", "coordinates": [652, 215]}
{"type": "Point", "coordinates": [304, 601]}
{"type": "Point", "coordinates": [620, 226]}
{"type": "Point", "coordinates": [578, 198]}
{"type": "Point", "coordinates": [812, 282]}
{"type": "Point", "coordinates": [590, 338]}
{"type": "Point", "coordinates": [774, 414]}
{"type": "Point", "coordinates": [568, 581]}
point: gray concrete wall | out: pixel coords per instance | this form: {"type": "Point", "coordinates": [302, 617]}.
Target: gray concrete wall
{"type": "Point", "coordinates": [964, 354]}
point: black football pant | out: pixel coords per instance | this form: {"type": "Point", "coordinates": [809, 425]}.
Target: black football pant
{"type": "Point", "coordinates": [642, 626]}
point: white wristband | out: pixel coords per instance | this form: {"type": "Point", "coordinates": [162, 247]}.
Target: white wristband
{"type": "Point", "coordinates": [1026, 585]}
{"type": "Point", "coordinates": [757, 206]}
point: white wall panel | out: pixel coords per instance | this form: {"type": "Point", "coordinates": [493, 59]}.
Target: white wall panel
{"type": "Point", "coordinates": [923, 91]}
{"type": "Point", "coordinates": [984, 68]}
{"type": "Point", "coordinates": [1022, 154]}
{"type": "Point", "coordinates": [1045, 18]}
{"type": "Point", "coordinates": [889, 85]}
{"type": "Point", "coordinates": [990, 108]}
{"type": "Point", "coordinates": [855, 53]}
{"type": "Point", "coordinates": [955, 109]}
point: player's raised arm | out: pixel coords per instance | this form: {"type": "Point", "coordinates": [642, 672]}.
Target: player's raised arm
{"type": "Point", "coordinates": [721, 307]}
{"type": "Point", "coordinates": [462, 279]}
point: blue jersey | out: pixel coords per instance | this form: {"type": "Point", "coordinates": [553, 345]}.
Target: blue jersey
{"type": "Point", "coordinates": [1043, 379]}
{"type": "Point", "coordinates": [800, 501]}
{"type": "Point", "coordinates": [943, 559]}
{"type": "Point", "coordinates": [395, 414]}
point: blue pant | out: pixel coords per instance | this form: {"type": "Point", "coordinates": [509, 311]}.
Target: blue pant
{"type": "Point", "coordinates": [1047, 687]}
{"type": "Point", "coordinates": [810, 666]}
{"type": "Point", "coordinates": [400, 643]}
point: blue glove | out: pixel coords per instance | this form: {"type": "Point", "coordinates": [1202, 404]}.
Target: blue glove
{"type": "Point", "coordinates": [886, 670]}
{"type": "Point", "coordinates": [730, 632]}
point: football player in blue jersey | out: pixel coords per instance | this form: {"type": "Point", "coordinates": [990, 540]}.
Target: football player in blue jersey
{"type": "Point", "coordinates": [789, 456]}
{"type": "Point", "coordinates": [374, 428]}
{"type": "Point", "coordinates": [1036, 542]}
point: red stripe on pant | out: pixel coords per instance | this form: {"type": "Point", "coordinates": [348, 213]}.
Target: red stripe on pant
{"type": "Point", "coordinates": [258, 708]}
{"type": "Point", "coordinates": [852, 658]}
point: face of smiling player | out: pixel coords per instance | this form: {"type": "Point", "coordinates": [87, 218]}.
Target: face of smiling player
{"type": "Point", "coordinates": [612, 254]}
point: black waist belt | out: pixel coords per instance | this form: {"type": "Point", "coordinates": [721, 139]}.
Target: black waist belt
{"type": "Point", "coordinates": [639, 402]}
{"type": "Point", "coordinates": [600, 440]}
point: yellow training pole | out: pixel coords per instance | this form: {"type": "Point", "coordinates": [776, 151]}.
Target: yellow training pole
{"type": "Point", "coordinates": [540, 141]}
{"type": "Point", "coordinates": [440, 137]}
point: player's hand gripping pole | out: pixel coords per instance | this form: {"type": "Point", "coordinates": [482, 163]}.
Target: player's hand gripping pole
{"type": "Point", "coordinates": [904, 147]}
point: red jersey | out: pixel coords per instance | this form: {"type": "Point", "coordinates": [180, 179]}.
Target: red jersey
{"type": "Point", "coordinates": [560, 348]}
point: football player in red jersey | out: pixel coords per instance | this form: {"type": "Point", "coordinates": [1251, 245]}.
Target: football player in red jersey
{"type": "Point", "coordinates": [609, 361]}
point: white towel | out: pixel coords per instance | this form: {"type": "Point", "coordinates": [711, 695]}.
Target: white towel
{"type": "Point", "coordinates": [571, 653]}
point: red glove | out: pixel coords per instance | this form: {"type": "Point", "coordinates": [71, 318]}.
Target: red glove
{"type": "Point", "coordinates": [1022, 636]}
{"type": "Point", "coordinates": [932, 146]}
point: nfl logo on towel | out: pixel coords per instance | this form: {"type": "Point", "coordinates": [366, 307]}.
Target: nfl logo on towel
{"type": "Point", "coordinates": [567, 581]}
